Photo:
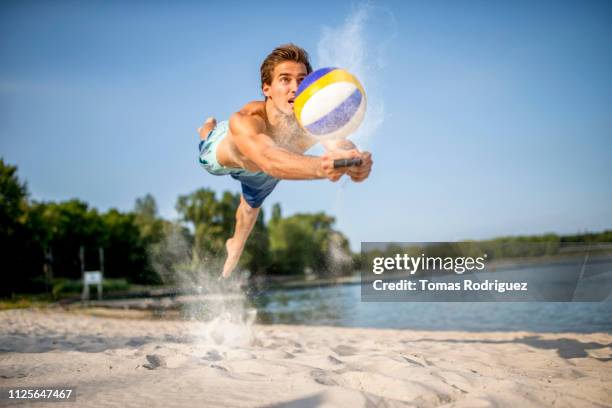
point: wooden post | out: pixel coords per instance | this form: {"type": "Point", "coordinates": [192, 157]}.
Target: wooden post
{"type": "Point", "coordinates": [101, 256]}
{"type": "Point", "coordinates": [48, 269]}
{"type": "Point", "coordinates": [85, 295]}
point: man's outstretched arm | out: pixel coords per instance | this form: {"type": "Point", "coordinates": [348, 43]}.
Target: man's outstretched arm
{"type": "Point", "coordinates": [249, 135]}
{"type": "Point", "coordinates": [356, 173]}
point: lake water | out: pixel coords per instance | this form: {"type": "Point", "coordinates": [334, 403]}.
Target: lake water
{"type": "Point", "coordinates": [574, 279]}
{"type": "Point", "coordinates": [341, 305]}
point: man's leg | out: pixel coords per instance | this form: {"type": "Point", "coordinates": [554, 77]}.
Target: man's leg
{"type": "Point", "coordinates": [245, 220]}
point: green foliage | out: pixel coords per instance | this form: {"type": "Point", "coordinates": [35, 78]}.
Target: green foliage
{"type": "Point", "coordinates": [591, 238]}
{"type": "Point", "coordinates": [53, 234]}
{"type": "Point", "coordinates": [25, 301]}
{"type": "Point", "coordinates": [212, 220]}
{"type": "Point", "coordinates": [65, 227]}
{"type": "Point", "coordinates": [126, 253]}
{"type": "Point", "coordinates": [13, 196]}
{"type": "Point", "coordinates": [256, 257]}
{"type": "Point", "coordinates": [504, 247]}
{"type": "Point", "coordinates": [14, 237]}
{"type": "Point", "coordinates": [301, 242]}
{"type": "Point", "coordinates": [63, 286]}
{"type": "Point", "coordinates": [146, 218]}
{"type": "Point", "coordinates": [39, 236]}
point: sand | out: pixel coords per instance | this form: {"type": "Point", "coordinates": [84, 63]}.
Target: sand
{"type": "Point", "coordinates": [155, 363]}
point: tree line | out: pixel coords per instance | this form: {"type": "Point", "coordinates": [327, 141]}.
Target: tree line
{"type": "Point", "coordinates": [40, 241]}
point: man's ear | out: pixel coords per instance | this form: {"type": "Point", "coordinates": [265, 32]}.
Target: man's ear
{"type": "Point", "coordinates": [266, 90]}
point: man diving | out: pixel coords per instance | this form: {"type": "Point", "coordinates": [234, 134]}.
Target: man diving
{"type": "Point", "coordinates": [263, 143]}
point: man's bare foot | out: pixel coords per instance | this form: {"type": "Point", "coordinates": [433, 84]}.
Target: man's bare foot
{"type": "Point", "coordinates": [205, 129]}
{"type": "Point", "coordinates": [234, 250]}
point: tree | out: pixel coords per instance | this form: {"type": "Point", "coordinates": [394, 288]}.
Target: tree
{"type": "Point", "coordinates": [145, 211]}
{"type": "Point", "coordinates": [13, 199]}
{"type": "Point", "coordinates": [13, 232]}
{"type": "Point", "coordinates": [303, 241]}
{"type": "Point", "coordinates": [256, 256]}
{"type": "Point", "coordinates": [125, 249]}
{"type": "Point", "coordinates": [151, 233]}
{"type": "Point", "coordinates": [212, 220]}
{"type": "Point", "coordinates": [65, 227]}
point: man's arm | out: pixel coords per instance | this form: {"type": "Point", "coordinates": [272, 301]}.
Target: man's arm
{"type": "Point", "coordinates": [249, 135]}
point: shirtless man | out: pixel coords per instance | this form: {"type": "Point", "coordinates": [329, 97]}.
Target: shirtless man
{"type": "Point", "coordinates": [263, 143]}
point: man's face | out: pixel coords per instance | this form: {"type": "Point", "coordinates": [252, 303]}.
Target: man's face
{"type": "Point", "coordinates": [285, 80]}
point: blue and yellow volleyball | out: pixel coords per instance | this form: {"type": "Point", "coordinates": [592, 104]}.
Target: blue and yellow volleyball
{"type": "Point", "coordinates": [330, 103]}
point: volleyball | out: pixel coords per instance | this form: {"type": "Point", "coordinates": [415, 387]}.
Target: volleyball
{"type": "Point", "coordinates": [330, 103]}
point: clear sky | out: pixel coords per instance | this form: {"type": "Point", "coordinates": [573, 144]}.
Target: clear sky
{"type": "Point", "coordinates": [486, 118]}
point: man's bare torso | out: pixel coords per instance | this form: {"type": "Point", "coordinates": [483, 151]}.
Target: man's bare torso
{"type": "Point", "coordinates": [286, 133]}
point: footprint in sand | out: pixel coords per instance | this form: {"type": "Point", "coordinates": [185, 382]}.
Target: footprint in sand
{"type": "Point", "coordinates": [213, 355]}
{"type": "Point", "coordinates": [136, 342]}
{"type": "Point", "coordinates": [323, 377]}
{"type": "Point", "coordinates": [344, 350]}
{"type": "Point", "coordinates": [273, 346]}
{"type": "Point", "coordinates": [413, 362]}
{"type": "Point", "coordinates": [218, 367]}
{"type": "Point", "coordinates": [18, 375]}
{"type": "Point", "coordinates": [155, 361]}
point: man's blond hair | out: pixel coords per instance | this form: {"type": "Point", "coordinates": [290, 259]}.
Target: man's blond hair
{"type": "Point", "coordinates": [282, 53]}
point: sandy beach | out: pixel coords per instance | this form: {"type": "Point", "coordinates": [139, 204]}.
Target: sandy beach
{"type": "Point", "coordinates": [155, 363]}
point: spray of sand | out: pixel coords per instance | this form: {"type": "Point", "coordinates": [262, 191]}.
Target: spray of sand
{"type": "Point", "coordinates": [359, 45]}
{"type": "Point", "coordinates": [220, 309]}
{"type": "Point", "coordinates": [339, 259]}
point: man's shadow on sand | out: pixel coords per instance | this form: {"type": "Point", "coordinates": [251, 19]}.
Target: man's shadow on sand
{"type": "Point", "coordinates": [566, 348]}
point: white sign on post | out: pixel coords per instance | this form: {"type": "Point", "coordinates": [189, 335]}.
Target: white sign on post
{"type": "Point", "coordinates": [93, 278]}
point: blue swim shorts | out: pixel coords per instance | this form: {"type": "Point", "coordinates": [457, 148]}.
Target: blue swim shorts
{"type": "Point", "coordinates": [256, 186]}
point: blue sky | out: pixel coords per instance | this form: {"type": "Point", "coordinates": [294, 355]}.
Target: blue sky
{"type": "Point", "coordinates": [497, 115]}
